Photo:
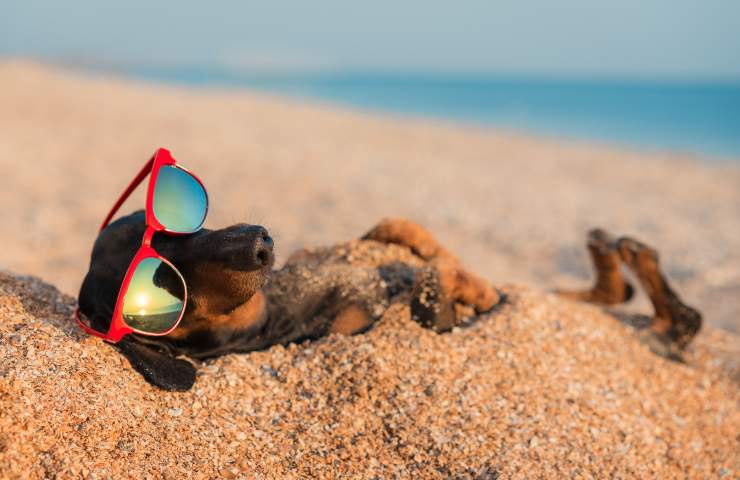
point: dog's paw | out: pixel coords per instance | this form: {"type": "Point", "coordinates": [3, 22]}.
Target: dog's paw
{"type": "Point", "coordinates": [431, 306]}
{"type": "Point", "coordinates": [441, 286]}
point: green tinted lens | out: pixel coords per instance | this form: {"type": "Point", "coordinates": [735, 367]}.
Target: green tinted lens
{"type": "Point", "coordinates": [154, 299]}
{"type": "Point", "coordinates": [180, 203]}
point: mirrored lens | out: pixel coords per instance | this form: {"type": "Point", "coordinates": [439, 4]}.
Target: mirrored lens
{"type": "Point", "coordinates": [180, 203]}
{"type": "Point", "coordinates": [155, 297]}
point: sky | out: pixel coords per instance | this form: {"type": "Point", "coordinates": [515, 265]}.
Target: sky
{"type": "Point", "coordinates": [655, 39]}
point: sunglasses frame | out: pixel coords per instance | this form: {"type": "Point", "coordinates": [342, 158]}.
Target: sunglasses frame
{"type": "Point", "coordinates": [118, 326]}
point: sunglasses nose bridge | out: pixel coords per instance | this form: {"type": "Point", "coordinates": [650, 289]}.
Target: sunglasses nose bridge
{"type": "Point", "coordinates": [146, 240]}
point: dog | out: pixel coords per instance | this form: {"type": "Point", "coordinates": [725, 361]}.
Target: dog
{"type": "Point", "coordinates": [237, 303]}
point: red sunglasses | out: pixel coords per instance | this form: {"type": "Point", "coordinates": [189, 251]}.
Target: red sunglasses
{"type": "Point", "coordinates": [153, 294]}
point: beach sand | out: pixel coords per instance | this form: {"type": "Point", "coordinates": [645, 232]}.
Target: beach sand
{"type": "Point", "coordinates": [541, 388]}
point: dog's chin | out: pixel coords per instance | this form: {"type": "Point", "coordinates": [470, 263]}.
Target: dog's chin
{"type": "Point", "coordinates": [240, 283]}
{"type": "Point", "coordinates": [262, 276]}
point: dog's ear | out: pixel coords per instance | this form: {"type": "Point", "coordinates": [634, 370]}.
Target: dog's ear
{"type": "Point", "coordinates": [160, 370]}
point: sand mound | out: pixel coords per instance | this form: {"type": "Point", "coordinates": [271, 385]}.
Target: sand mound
{"type": "Point", "coordinates": [542, 387]}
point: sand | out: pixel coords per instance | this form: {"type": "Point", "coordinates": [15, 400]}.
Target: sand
{"type": "Point", "coordinates": [543, 387]}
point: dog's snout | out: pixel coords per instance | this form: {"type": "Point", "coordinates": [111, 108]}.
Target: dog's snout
{"type": "Point", "coordinates": [245, 247]}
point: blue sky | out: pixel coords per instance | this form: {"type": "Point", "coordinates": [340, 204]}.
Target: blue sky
{"type": "Point", "coordinates": [656, 39]}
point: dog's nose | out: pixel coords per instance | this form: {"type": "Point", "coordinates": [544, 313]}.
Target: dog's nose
{"type": "Point", "coordinates": [244, 247]}
{"type": "Point", "coordinates": [262, 249]}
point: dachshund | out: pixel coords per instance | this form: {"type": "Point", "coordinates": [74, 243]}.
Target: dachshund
{"type": "Point", "coordinates": [237, 303]}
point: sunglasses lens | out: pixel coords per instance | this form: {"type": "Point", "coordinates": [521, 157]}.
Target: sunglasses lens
{"type": "Point", "coordinates": [155, 297]}
{"type": "Point", "coordinates": [180, 203]}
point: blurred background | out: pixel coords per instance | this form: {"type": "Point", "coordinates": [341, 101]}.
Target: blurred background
{"type": "Point", "coordinates": [509, 128]}
{"type": "Point", "coordinates": [658, 74]}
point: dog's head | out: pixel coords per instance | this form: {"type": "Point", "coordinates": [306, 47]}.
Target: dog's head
{"type": "Point", "coordinates": [224, 270]}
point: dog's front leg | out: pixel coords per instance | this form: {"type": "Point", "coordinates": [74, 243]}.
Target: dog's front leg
{"type": "Point", "coordinates": [440, 285]}
{"type": "Point", "coordinates": [401, 231]}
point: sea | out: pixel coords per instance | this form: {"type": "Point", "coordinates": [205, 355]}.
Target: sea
{"type": "Point", "coordinates": [695, 118]}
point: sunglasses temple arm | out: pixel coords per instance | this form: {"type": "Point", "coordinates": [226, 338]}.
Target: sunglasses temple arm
{"type": "Point", "coordinates": [132, 186]}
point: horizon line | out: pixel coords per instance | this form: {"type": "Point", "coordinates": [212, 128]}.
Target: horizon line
{"type": "Point", "coordinates": [326, 70]}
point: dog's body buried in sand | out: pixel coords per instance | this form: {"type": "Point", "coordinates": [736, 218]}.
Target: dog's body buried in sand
{"type": "Point", "coordinates": [236, 303]}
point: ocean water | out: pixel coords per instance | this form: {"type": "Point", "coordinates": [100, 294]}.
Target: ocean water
{"type": "Point", "coordinates": [692, 118]}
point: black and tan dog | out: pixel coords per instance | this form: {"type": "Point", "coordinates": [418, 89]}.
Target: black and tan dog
{"type": "Point", "coordinates": [237, 303]}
